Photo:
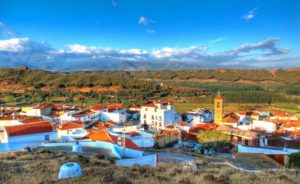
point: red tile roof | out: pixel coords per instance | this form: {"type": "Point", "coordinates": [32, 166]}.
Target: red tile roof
{"type": "Point", "coordinates": [101, 135]}
{"type": "Point", "coordinates": [282, 114]}
{"type": "Point", "coordinates": [82, 114]}
{"type": "Point", "coordinates": [128, 143]}
{"type": "Point", "coordinates": [69, 126]}
{"type": "Point", "coordinates": [42, 106]}
{"type": "Point", "coordinates": [153, 104]}
{"type": "Point", "coordinates": [31, 120]}
{"type": "Point", "coordinates": [149, 105]}
{"type": "Point", "coordinates": [133, 133]}
{"type": "Point", "coordinates": [182, 124]}
{"type": "Point", "coordinates": [30, 128]}
{"type": "Point", "coordinates": [115, 107]}
{"type": "Point", "coordinates": [249, 113]}
{"type": "Point", "coordinates": [231, 118]}
{"type": "Point", "coordinates": [97, 107]}
{"type": "Point", "coordinates": [206, 126]}
{"type": "Point", "coordinates": [173, 132]}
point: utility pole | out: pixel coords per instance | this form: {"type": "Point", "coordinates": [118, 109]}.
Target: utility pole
{"type": "Point", "coordinates": [124, 140]}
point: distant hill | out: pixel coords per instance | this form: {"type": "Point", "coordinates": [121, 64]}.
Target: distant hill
{"type": "Point", "coordinates": [289, 76]}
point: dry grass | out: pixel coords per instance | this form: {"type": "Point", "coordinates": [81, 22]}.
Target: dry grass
{"type": "Point", "coordinates": [43, 167]}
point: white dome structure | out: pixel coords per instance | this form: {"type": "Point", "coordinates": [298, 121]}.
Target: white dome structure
{"type": "Point", "coordinates": [70, 170]}
{"type": "Point", "coordinates": [77, 148]}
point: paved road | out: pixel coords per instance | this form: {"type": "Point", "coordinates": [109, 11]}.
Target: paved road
{"type": "Point", "coordinates": [167, 157]}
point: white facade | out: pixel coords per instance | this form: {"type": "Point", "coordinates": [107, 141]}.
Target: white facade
{"type": "Point", "coordinates": [73, 133]}
{"type": "Point", "coordinates": [158, 115]}
{"type": "Point", "coordinates": [4, 123]}
{"type": "Point", "coordinates": [200, 116]}
{"type": "Point", "coordinates": [118, 116]}
{"type": "Point", "coordinates": [39, 137]}
{"type": "Point", "coordinates": [45, 111]}
{"type": "Point", "coordinates": [266, 151]}
{"type": "Point", "coordinates": [142, 140]}
{"type": "Point", "coordinates": [268, 126]}
{"type": "Point", "coordinates": [120, 129]}
{"type": "Point", "coordinates": [74, 116]}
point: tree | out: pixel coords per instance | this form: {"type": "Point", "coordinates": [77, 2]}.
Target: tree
{"type": "Point", "coordinates": [213, 140]}
{"type": "Point", "coordinates": [294, 160]}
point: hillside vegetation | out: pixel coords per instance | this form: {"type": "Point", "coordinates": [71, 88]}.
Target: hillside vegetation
{"type": "Point", "coordinates": [137, 87]}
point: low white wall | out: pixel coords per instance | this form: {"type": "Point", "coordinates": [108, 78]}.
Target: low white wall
{"type": "Point", "coordinates": [266, 151]}
{"type": "Point", "coordinates": [32, 137]}
{"type": "Point", "coordinates": [150, 160]}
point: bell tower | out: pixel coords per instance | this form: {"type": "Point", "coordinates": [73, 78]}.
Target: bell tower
{"type": "Point", "coordinates": [218, 109]}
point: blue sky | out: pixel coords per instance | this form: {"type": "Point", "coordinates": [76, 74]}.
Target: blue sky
{"type": "Point", "coordinates": [213, 26]}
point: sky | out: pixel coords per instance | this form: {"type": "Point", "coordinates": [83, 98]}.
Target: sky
{"type": "Point", "coordinates": [256, 33]}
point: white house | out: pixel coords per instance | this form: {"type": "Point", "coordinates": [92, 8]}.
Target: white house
{"type": "Point", "coordinates": [40, 110]}
{"type": "Point", "coordinates": [157, 115]}
{"type": "Point", "coordinates": [26, 133]}
{"type": "Point", "coordinates": [82, 115]}
{"type": "Point", "coordinates": [267, 126]}
{"type": "Point", "coordinates": [200, 116]}
{"type": "Point", "coordinates": [97, 108]}
{"type": "Point", "coordinates": [114, 112]}
{"type": "Point", "coordinates": [71, 129]}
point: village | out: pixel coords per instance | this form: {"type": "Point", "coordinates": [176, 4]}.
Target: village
{"type": "Point", "coordinates": [139, 134]}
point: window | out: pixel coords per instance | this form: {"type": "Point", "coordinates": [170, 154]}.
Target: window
{"type": "Point", "coordinates": [246, 142]}
{"type": "Point", "coordinates": [152, 117]}
{"type": "Point", "coordinates": [218, 104]}
{"type": "Point", "coordinates": [160, 118]}
{"type": "Point", "coordinates": [47, 138]}
{"type": "Point", "coordinates": [146, 109]}
{"type": "Point", "coordinates": [144, 116]}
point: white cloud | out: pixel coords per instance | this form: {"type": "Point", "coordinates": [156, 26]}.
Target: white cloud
{"type": "Point", "coordinates": [268, 45]}
{"type": "Point", "coordinates": [26, 50]}
{"type": "Point", "coordinates": [133, 51]}
{"type": "Point", "coordinates": [250, 15]}
{"type": "Point", "coordinates": [77, 48]}
{"type": "Point", "coordinates": [23, 45]}
{"type": "Point", "coordinates": [143, 20]}
{"type": "Point", "coordinates": [179, 53]}
{"type": "Point", "coordinates": [218, 40]}
{"type": "Point", "coordinates": [13, 45]}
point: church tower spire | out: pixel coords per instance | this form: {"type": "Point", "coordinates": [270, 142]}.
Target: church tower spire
{"type": "Point", "coordinates": [218, 108]}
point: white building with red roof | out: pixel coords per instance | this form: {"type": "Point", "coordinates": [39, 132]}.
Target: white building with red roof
{"type": "Point", "coordinates": [86, 116]}
{"type": "Point", "coordinates": [114, 112]}
{"type": "Point", "coordinates": [38, 131]}
{"type": "Point", "coordinates": [157, 115]}
{"type": "Point", "coordinates": [40, 110]}
{"type": "Point", "coordinates": [71, 129]}
{"type": "Point", "coordinates": [200, 116]}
